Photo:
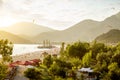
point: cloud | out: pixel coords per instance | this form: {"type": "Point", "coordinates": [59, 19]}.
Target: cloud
{"type": "Point", "coordinates": [58, 12]}
{"type": "Point", "coordinates": [28, 2]}
{"type": "Point", "coordinates": [1, 3]}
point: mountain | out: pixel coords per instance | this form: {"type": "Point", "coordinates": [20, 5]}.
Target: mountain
{"type": "Point", "coordinates": [26, 28]}
{"type": "Point", "coordinates": [76, 32]}
{"type": "Point", "coordinates": [13, 38]}
{"type": "Point", "coordinates": [113, 36]}
{"type": "Point", "coordinates": [86, 30]}
{"type": "Point", "coordinates": [113, 22]}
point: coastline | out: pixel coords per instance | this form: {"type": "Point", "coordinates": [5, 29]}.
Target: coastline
{"type": "Point", "coordinates": [34, 55]}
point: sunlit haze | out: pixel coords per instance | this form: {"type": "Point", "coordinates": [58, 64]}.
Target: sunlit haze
{"type": "Point", "coordinates": [57, 14]}
{"type": "Point", "coordinates": [6, 21]}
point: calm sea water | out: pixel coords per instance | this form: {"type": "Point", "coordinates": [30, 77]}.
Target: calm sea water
{"type": "Point", "coordinates": [25, 48]}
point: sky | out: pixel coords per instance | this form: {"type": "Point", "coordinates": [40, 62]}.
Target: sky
{"type": "Point", "coordinates": [57, 14]}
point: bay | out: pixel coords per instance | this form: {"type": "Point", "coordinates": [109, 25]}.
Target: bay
{"type": "Point", "coordinates": [19, 49]}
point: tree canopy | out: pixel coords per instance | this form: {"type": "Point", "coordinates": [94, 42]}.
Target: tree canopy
{"type": "Point", "coordinates": [6, 48]}
{"type": "Point", "coordinates": [103, 59]}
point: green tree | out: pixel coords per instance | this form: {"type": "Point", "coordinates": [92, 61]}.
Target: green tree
{"type": "Point", "coordinates": [113, 67]}
{"type": "Point", "coordinates": [114, 71]}
{"type": "Point", "coordinates": [60, 68]}
{"type": "Point", "coordinates": [6, 48]}
{"type": "Point", "coordinates": [76, 62]}
{"type": "Point", "coordinates": [56, 70]}
{"type": "Point", "coordinates": [33, 74]}
{"type": "Point", "coordinates": [102, 57]}
{"type": "Point", "coordinates": [62, 49]}
{"type": "Point", "coordinates": [77, 49]}
{"type": "Point", "coordinates": [87, 59]}
{"type": "Point", "coordinates": [117, 47]}
{"type": "Point", "coordinates": [3, 71]}
{"type": "Point", "coordinates": [38, 73]}
{"type": "Point", "coordinates": [116, 58]}
{"type": "Point", "coordinates": [98, 48]}
{"type": "Point", "coordinates": [48, 60]}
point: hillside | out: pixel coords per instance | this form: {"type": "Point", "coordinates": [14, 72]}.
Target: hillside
{"type": "Point", "coordinates": [113, 22]}
{"type": "Point", "coordinates": [13, 38]}
{"type": "Point", "coordinates": [26, 28]}
{"type": "Point", "coordinates": [76, 32]}
{"type": "Point", "coordinates": [86, 30]}
{"type": "Point", "coordinates": [113, 36]}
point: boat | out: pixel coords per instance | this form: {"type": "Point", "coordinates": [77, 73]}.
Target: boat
{"type": "Point", "coordinates": [46, 44]}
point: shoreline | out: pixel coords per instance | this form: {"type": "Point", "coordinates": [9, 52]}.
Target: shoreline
{"type": "Point", "coordinates": [34, 55]}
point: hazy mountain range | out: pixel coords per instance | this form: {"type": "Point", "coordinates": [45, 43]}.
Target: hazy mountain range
{"type": "Point", "coordinates": [86, 30]}
{"type": "Point", "coordinates": [13, 38]}
{"type": "Point", "coordinates": [26, 28]}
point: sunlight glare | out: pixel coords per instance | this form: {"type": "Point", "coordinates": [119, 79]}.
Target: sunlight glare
{"type": "Point", "coordinates": [6, 21]}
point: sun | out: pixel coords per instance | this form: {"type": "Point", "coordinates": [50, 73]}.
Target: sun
{"type": "Point", "coordinates": [6, 21]}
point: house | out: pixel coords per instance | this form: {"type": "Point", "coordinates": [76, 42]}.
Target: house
{"type": "Point", "coordinates": [86, 74]}
{"type": "Point", "coordinates": [33, 62]}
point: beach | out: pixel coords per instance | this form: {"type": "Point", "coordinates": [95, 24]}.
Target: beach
{"type": "Point", "coordinates": [34, 55]}
{"type": "Point", "coordinates": [21, 54]}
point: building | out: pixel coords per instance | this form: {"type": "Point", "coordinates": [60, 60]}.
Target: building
{"type": "Point", "coordinates": [86, 74]}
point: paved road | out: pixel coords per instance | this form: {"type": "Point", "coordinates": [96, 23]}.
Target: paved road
{"type": "Point", "coordinates": [20, 73]}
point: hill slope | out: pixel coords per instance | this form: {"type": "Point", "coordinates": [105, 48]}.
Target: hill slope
{"type": "Point", "coordinates": [86, 30]}
{"type": "Point", "coordinates": [113, 36]}
{"type": "Point", "coordinates": [77, 32]}
{"type": "Point", "coordinates": [113, 21]}
{"type": "Point", "coordinates": [26, 28]}
{"type": "Point", "coordinates": [13, 38]}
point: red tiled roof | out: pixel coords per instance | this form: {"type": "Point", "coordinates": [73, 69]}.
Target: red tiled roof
{"type": "Point", "coordinates": [31, 62]}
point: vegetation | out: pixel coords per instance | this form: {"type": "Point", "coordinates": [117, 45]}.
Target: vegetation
{"type": "Point", "coordinates": [3, 71]}
{"type": "Point", "coordinates": [6, 48]}
{"type": "Point", "coordinates": [77, 49]}
{"type": "Point", "coordinates": [103, 59]}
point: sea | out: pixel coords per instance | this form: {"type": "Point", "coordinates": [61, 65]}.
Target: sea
{"type": "Point", "coordinates": [19, 49]}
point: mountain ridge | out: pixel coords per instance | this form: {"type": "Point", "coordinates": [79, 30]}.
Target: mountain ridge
{"type": "Point", "coordinates": [26, 28]}
{"type": "Point", "coordinates": [86, 30]}
{"type": "Point", "coordinates": [13, 38]}
{"type": "Point", "coordinates": [112, 36]}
